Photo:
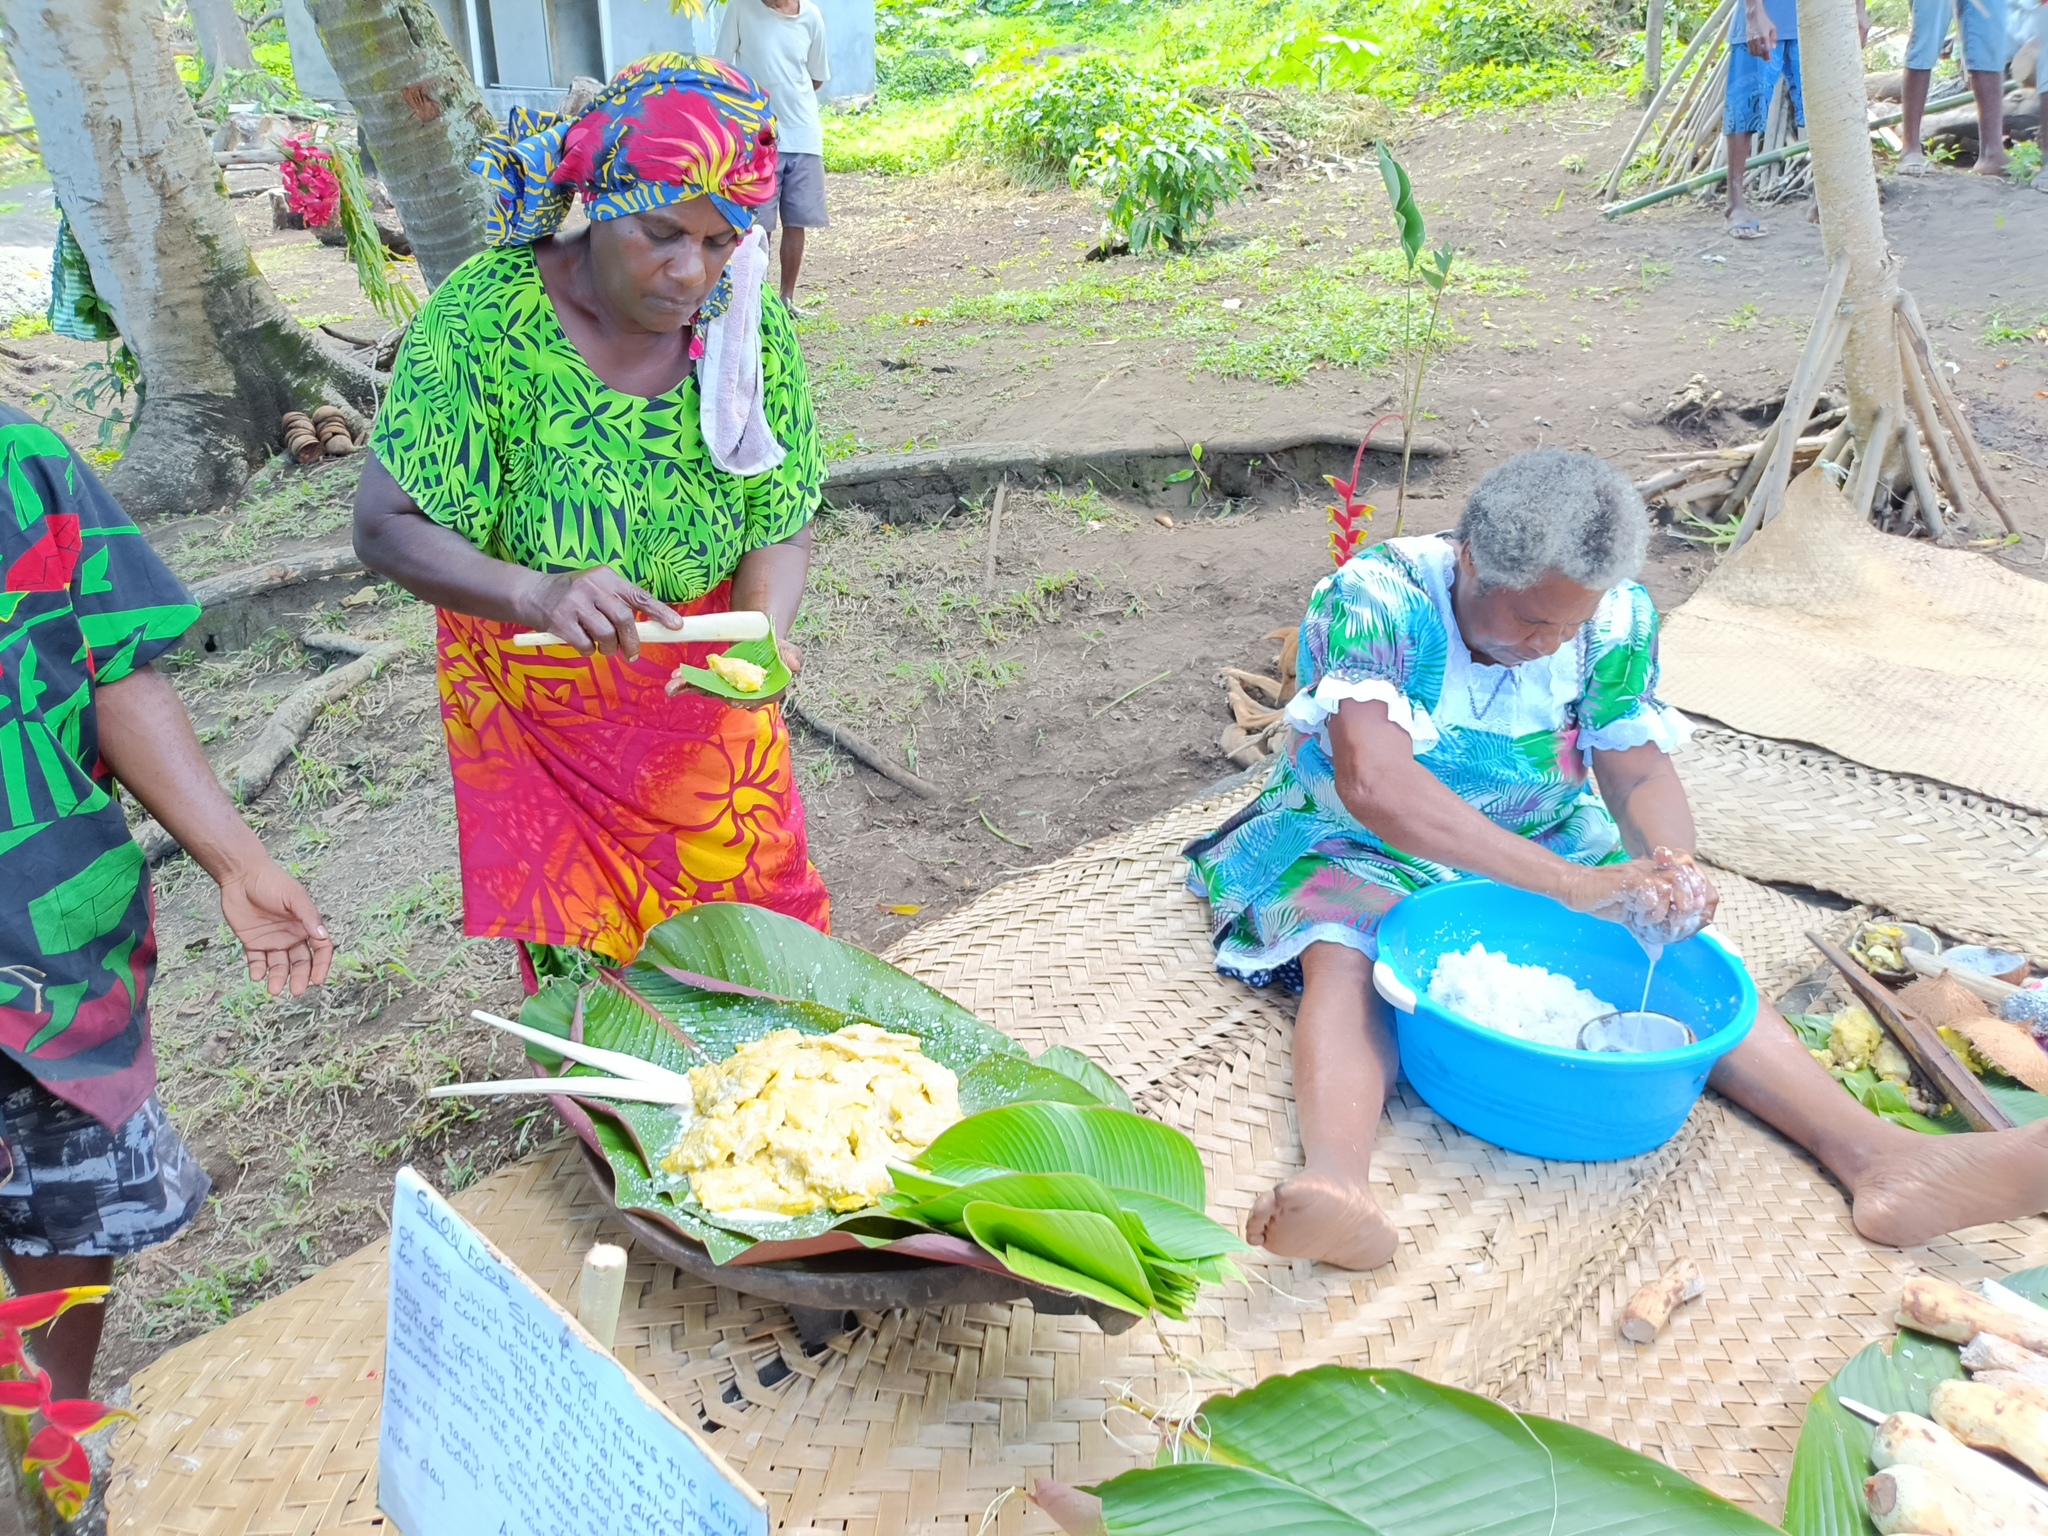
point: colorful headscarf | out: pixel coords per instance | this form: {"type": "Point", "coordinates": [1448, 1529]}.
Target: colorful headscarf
{"type": "Point", "coordinates": [669, 127]}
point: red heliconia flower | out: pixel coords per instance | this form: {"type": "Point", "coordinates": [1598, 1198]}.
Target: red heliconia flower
{"type": "Point", "coordinates": [25, 1396]}
{"type": "Point", "coordinates": [13, 1350]}
{"type": "Point", "coordinates": [66, 1496]}
{"type": "Point", "coordinates": [311, 189]}
{"type": "Point", "coordinates": [81, 1415]}
{"type": "Point", "coordinates": [1349, 517]}
{"type": "Point", "coordinates": [42, 1307]}
{"type": "Point", "coordinates": [61, 1453]}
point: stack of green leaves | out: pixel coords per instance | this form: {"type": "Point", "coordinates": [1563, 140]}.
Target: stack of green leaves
{"type": "Point", "coordinates": [1050, 1172]}
{"type": "Point", "coordinates": [1825, 1494]}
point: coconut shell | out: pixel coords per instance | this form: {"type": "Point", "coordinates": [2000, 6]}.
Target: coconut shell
{"type": "Point", "coordinates": [1946, 1003]}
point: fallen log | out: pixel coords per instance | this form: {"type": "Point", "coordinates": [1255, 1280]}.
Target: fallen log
{"type": "Point", "coordinates": [307, 565]}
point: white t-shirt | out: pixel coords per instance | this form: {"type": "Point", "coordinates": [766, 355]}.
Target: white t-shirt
{"type": "Point", "coordinates": [783, 55]}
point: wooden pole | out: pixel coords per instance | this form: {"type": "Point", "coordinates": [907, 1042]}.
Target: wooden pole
{"type": "Point", "coordinates": [1653, 50]}
{"type": "Point", "coordinates": [1923, 487]}
{"type": "Point", "coordinates": [1870, 463]}
{"type": "Point", "coordinates": [995, 529]}
{"type": "Point", "coordinates": [1824, 344]}
{"type": "Point", "coordinates": [1921, 402]}
{"type": "Point", "coordinates": [601, 1291]}
{"type": "Point", "coordinates": [1945, 400]}
{"type": "Point", "coordinates": [1700, 39]}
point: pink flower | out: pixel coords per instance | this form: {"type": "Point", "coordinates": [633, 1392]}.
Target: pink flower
{"type": "Point", "coordinates": [311, 188]}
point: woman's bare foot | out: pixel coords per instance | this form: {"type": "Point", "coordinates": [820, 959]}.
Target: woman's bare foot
{"type": "Point", "coordinates": [1330, 1220]}
{"type": "Point", "coordinates": [1917, 1190]}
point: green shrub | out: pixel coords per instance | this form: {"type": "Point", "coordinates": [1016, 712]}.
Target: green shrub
{"type": "Point", "coordinates": [921, 74]}
{"type": "Point", "coordinates": [1041, 120]}
{"type": "Point", "coordinates": [1163, 177]}
{"type": "Point", "coordinates": [1511, 32]}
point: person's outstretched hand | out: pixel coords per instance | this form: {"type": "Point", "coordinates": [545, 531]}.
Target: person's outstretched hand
{"type": "Point", "coordinates": [280, 928]}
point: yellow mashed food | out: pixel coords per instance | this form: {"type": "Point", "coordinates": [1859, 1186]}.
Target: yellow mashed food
{"type": "Point", "coordinates": [795, 1123]}
{"type": "Point", "coordinates": [738, 671]}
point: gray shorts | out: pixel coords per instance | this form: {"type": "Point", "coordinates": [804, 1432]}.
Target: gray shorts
{"type": "Point", "coordinates": [70, 1186]}
{"type": "Point", "coordinates": [799, 194]}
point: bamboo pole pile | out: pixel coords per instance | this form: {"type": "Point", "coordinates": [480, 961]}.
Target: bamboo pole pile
{"type": "Point", "coordinates": [1919, 465]}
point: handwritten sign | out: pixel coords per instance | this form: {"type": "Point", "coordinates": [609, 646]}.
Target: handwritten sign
{"type": "Point", "coordinates": [503, 1417]}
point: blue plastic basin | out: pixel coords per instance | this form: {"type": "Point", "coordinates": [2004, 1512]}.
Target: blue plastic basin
{"type": "Point", "coordinates": [1582, 1105]}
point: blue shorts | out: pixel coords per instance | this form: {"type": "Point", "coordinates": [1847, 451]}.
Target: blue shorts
{"type": "Point", "coordinates": [1984, 39]}
{"type": "Point", "coordinates": [1753, 85]}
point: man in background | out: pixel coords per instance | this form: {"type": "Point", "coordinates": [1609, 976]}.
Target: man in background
{"type": "Point", "coordinates": [781, 45]}
{"type": "Point", "coordinates": [1763, 49]}
{"type": "Point", "coordinates": [1984, 57]}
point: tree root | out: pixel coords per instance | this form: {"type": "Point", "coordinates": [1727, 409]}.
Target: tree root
{"type": "Point", "coordinates": [861, 752]}
{"type": "Point", "coordinates": [251, 774]}
{"type": "Point", "coordinates": [307, 565]}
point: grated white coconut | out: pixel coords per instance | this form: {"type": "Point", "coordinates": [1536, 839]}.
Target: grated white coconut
{"type": "Point", "coordinates": [1521, 1000]}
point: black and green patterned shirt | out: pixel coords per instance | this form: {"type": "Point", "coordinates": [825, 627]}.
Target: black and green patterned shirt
{"type": "Point", "coordinates": [85, 601]}
{"type": "Point", "coordinates": [499, 430]}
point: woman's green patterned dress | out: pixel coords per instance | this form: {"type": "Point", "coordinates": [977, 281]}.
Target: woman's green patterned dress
{"type": "Point", "coordinates": [1295, 868]}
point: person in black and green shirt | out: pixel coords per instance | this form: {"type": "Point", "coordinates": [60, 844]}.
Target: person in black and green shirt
{"type": "Point", "coordinates": [90, 1166]}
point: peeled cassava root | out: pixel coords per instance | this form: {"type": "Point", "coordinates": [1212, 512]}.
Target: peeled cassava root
{"type": "Point", "coordinates": [1651, 1307]}
{"type": "Point", "coordinates": [1949, 1312]}
{"type": "Point", "coordinates": [1995, 1419]}
{"type": "Point", "coordinates": [1929, 1482]}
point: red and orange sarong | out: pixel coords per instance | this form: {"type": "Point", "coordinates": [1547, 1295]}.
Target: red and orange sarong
{"type": "Point", "coordinates": [591, 805]}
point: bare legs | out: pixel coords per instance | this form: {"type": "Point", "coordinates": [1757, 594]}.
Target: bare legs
{"type": "Point", "coordinates": [1742, 224]}
{"type": "Point", "coordinates": [67, 1347]}
{"type": "Point", "coordinates": [1906, 1188]}
{"type": "Point", "coordinates": [1344, 1063]}
{"type": "Point", "coordinates": [792, 261]}
{"type": "Point", "coordinates": [1988, 86]}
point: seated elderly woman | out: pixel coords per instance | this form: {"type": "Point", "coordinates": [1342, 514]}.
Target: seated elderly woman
{"type": "Point", "coordinates": [1462, 699]}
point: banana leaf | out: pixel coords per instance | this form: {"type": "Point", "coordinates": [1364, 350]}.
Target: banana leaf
{"type": "Point", "coordinates": [762, 653]}
{"type": "Point", "coordinates": [1339, 1452]}
{"type": "Point", "coordinates": [723, 975]}
{"type": "Point", "coordinates": [1825, 1494]}
{"type": "Point", "coordinates": [1090, 1253]}
{"type": "Point", "coordinates": [1124, 1151]}
{"type": "Point", "coordinates": [1100, 1085]}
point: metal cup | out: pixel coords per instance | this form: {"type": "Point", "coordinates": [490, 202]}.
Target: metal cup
{"type": "Point", "coordinates": [1634, 1033]}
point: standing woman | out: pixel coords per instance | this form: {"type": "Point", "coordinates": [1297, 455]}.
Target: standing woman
{"type": "Point", "coordinates": [540, 466]}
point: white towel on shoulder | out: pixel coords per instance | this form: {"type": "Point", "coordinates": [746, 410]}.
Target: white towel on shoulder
{"type": "Point", "coordinates": [730, 381]}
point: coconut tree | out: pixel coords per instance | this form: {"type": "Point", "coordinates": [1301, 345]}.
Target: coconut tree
{"type": "Point", "coordinates": [223, 40]}
{"type": "Point", "coordinates": [221, 360]}
{"type": "Point", "coordinates": [421, 115]}
{"type": "Point", "coordinates": [1905, 436]}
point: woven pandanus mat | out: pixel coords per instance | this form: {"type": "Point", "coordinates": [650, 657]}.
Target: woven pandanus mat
{"type": "Point", "coordinates": [1780, 811]}
{"type": "Point", "coordinates": [918, 1421]}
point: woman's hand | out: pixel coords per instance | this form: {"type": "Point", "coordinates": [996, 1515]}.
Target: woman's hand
{"type": "Point", "coordinates": [1661, 900]}
{"type": "Point", "coordinates": [595, 610]}
{"type": "Point", "coordinates": [280, 928]}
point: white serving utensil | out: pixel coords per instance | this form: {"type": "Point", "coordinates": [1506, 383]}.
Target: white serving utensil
{"type": "Point", "coordinates": [744, 624]}
{"type": "Point", "coordinates": [571, 1087]}
{"type": "Point", "coordinates": [618, 1063]}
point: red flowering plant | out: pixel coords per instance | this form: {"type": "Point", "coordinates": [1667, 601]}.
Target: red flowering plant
{"type": "Point", "coordinates": [1349, 517]}
{"type": "Point", "coordinates": [53, 1453]}
{"type": "Point", "coordinates": [311, 189]}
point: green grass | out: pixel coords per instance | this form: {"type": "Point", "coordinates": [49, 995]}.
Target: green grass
{"type": "Point", "coordinates": [2002, 328]}
{"type": "Point", "coordinates": [894, 138]}
{"type": "Point", "coordinates": [1291, 320]}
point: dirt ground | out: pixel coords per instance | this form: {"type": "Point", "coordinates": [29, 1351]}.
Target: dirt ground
{"type": "Point", "coordinates": [1073, 695]}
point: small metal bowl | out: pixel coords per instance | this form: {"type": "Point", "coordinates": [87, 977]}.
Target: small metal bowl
{"type": "Point", "coordinates": [1634, 1033]}
{"type": "Point", "coordinates": [2004, 964]}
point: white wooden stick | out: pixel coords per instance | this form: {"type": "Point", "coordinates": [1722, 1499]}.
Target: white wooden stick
{"type": "Point", "coordinates": [600, 1290]}
{"type": "Point", "coordinates": [742, 625]}
{"type": "Point", "coordinates": [574, 1087]}
{"type": "Point", "coordinates": [618, 1063]}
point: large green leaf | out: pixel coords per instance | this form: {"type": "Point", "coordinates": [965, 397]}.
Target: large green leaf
{"type": "Point", "coordinates": [1031, 1191]}
{"type": "Point", "coordinates": [1122, 1150]}
{"type": "Point", "coordinates": [1406, 214]}
{"type": "Point", "coordinates": [764, 951]}
{"type": "Point", "coordinates": [999, 1079]}
{"type": "Point", "coordinates": [1825, 1494]}
{"type": "Point", "coordinates": [1085, 1071]}
{"type": "Point", "coordinates": [763, 653]}
{"type": "Point", "coordinates": [1384, 1453]}
{"type": "Point", "coordinates": [1074, 1250]}
{"type": "Point", "coordinates": [1205, 1499]}
{"type": "Point", "coordinates": [1177, 1231]}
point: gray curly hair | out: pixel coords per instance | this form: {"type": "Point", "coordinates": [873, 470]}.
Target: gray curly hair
{"type": "Point", "coordinates": [1551, 509]}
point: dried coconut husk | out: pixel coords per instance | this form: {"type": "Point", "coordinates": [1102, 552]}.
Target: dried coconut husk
{"type": "Point", "coordinates": [1946, 1003]}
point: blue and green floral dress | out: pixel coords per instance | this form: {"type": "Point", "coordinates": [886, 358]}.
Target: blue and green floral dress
{"type": "Point", "coordinates": [1295, 868]}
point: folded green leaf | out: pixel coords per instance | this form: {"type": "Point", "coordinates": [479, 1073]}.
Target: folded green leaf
{"type": "Point", "coordinates": [999, 1079]}
{"type": "Point", "coordinates": [1026, 1191]}
{"type": "Point", "coordinates": [1395, 1454]}
{"type": "Point", "coordinates": [1180, 1233]}
{"type": "Point", "coordinates": [762, 653]}
{"type": "Point", "coordinates": [1074, 1251]}
{"type": "Point", "coordinates": [1122, 1150]}
{"type": "Point", "coordinates": [1086, 1072]}
{"type": "Point", "coordinates": [751, 947]}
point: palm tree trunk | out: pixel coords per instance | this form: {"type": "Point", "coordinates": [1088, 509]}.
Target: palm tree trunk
{"type": "Point", "coordinates": [1851, 223]}
{"type": "Point", "coordinates": [422, 116]}
{"type": "Point", "coordinates": [221, 360]}
{"type": "Point", "coordinates": [223, 42]}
